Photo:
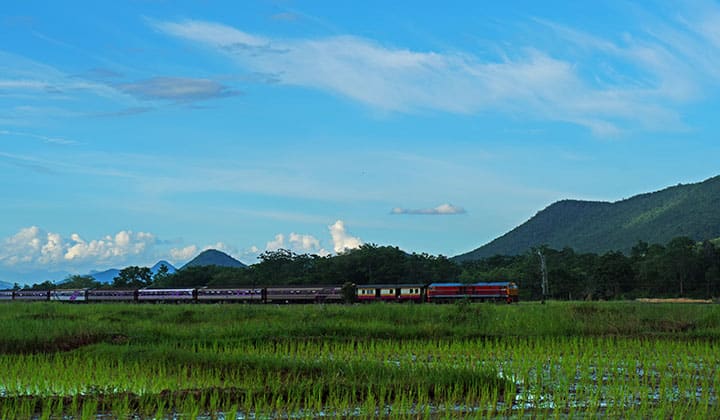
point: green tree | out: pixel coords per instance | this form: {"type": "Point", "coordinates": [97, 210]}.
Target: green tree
{"type": "Point", "coordinates": [80, 282]}
{"type": "Point", "coordinates": [613, 275]}
{"type": "Point", "coordinates": [132, 277]}
{"type": "Point", "coordinates": [681, 262]}
{"type": "Point", "coordinates": [161, 275]}
{"type": "Point", "coordinates": [46, 285]}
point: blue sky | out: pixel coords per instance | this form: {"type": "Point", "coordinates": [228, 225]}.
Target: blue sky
{"type": "Point", "coordinates": [144, 130]}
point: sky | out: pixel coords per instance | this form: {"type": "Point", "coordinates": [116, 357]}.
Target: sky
{"type": "Point", "coordinates": [134, 131]}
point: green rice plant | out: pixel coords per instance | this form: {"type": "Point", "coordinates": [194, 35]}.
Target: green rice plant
{"type": "Point", "coordinates": [272, 369]}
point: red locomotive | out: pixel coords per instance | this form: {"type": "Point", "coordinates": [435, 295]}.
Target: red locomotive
{"type": "Point", "coordinates": [478, 292]}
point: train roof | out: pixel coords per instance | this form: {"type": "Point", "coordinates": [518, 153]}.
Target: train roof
{"type": "Point", "coordinates": [492, 283]}
{"type": "Point", "coordinates": [303, 286]}
{"type": "Point", "coordinates": [388, 286]}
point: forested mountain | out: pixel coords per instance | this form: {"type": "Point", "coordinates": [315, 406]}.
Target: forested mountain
{"type": "Point", "coordinates": [691, 210]}
{"type": "Point", "coordinates": [214, 257]}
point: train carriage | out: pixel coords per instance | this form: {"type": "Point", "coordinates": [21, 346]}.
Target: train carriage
{"type": "Point", "coordinates": [304, 294]}
{"type": "Point", "coordinates": [69, 295]}
{"type": "Point", "coordinates": [6, 295]}
{"type": "Point", "coordinates": [112, 295]}
{"type": "Point", "coordinates": [411, 293]}
{"type": "Point", "coordinates": [366, 293]}
{"type": "Point", "coordinates": [167, 295]}
{"type": "Point", "coordinates": [241, 295]}
{"type": "Point", "coordinates": [390, 293]}
{"type": "Point", "coordinates": [32, 295]}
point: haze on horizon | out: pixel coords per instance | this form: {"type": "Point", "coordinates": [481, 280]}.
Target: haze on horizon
{"type": "Point", "coordinates": [137, 131]}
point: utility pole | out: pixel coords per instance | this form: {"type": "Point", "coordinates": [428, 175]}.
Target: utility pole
{"type": "Point", "coordinates": [543, 270]}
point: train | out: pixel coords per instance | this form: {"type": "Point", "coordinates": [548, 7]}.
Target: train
{"type": "Point", "coordinates": [411, 293]}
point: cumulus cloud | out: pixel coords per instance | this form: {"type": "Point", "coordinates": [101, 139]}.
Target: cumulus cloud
{"type": "Point", "coordinates": [341, 239]}
{"type": "Point", "coordinates": [277, 243]}
{"type": "Point", "coordinates": [108, 249]}
{"type": "Point", "coordinates": [443, 209]}
{"type": "Point", "coordinates": [22, 247]}
{"type": "Point", "coordinates": [32, 247]}
{"type": "Point", "coordinates": [308, 244]}
{"type": "Point", "coordinates": [183, 254]}
{"type": "Point", "coordinates": [304, 242]}
{"type": "Point", "coordinates": [178, 89]}
{"type": "Point", "coordinates": [299, 243]}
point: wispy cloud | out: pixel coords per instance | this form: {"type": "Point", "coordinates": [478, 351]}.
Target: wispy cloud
{"type": "Point", "coordinates": [46, 139]}
{"type": "Point", "coordinates": [286, 16]}
{"type": "Point", "coordinates": [47, 92]}
{"type": "Point", "coordinates": [177, 89]}
{"type": "Point", "coordinates": [530, 80]}
{"type": "Point", "coordinates": [22, 75]}
{"type": "Point", "coordinates": [441, 210]}
{"type": "Point", "coordinates": [124, 112]}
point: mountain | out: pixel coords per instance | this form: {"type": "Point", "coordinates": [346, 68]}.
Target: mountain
{"type": "Point", "coordinates": [155, 268]}
{"type": "Point", "coordinates": [107, 276]}
{"type": "Point", "coordinates": [214, 257]}
{"type": "Point", "coordinates": [4, 286]}
{"type": "Point", "coordinates": [691, 210]}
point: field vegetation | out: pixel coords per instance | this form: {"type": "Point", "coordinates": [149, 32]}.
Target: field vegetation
{"type": "Point", "coordinates": [406, 361]}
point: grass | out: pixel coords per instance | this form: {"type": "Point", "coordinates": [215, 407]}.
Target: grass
{"type": "Point", "coordinates": [474, 360]}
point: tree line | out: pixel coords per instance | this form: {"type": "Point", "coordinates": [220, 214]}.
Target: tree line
{"type": "Point", "coordinates": [682, 267]}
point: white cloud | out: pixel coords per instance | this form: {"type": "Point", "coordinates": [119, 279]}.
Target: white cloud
{"type": "Point", "coordinates": [304, 242]}
{"type": "Point", "coordinates": [341, 239]}
{"type": "Point", "coordinates": [24, 76]}
{"type": "Point", "coordinates": [277, 243]}
{"type": "Point", "coordinates": [46, 139]}
{"type": "Point", "coordinates": [22, 247]}
{"type": "Point", "coordinates": [108, 249]}
{"type": "Point", "coordinates": [221, 246]}
{"type": "Point", "coordinates": [32, 247]}
{"type": "Point", "coordinates": [527, 80]}
{"type": "Point", "coordinates": [443, 209]}
{"type": "Point", "coordinates": [298, 243]}
{"type": "Point", "coordinates": [183, 254]}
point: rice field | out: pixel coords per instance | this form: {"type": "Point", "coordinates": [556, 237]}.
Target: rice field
{"type": "Point", "coordinates": [560, 360]}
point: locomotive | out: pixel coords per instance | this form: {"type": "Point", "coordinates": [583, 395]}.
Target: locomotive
{"type": "Point", "coordinates": [415, 293]}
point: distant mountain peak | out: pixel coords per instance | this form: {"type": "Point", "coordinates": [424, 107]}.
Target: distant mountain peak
{"type": "Point", "coordinates": [214, 257]}
{"type": "Point", "coordinates": [156, 267]}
